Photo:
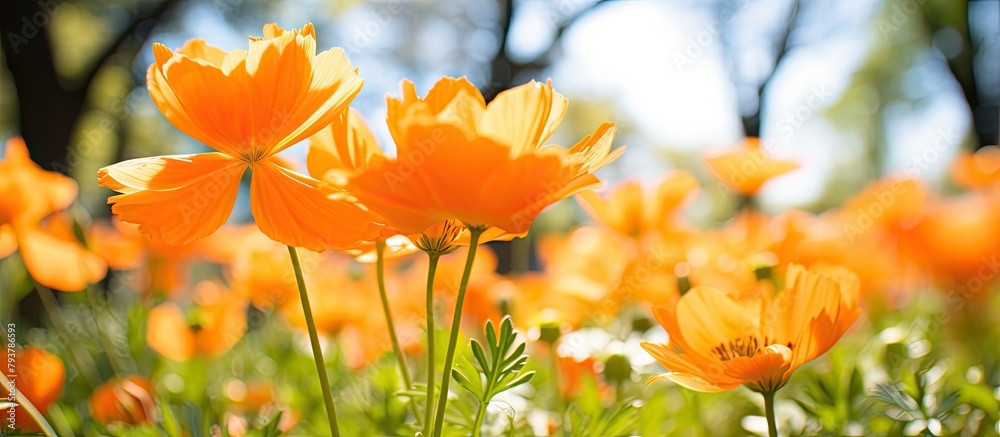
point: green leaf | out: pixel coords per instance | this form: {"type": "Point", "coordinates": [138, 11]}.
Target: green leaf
{"type": "Point", "coordinates": [496, 371]}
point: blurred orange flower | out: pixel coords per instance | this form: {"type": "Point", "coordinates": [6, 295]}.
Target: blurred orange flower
{"type": "Point", "coordinates": [28, 196]}
{"type": "Point", "coordinates": [484, 165]}
{"type": "Point", "coordinates": [746, 168]}
{"type": "Point", "coordinates": [209, 329]}
{"type": "Point", "coordinates": [249, 106]}
{"type": "Point", "coordinates": [128, 400]}
{"type": "Point", "coordinates": [977, 170]}
{"type": "Point", "coordinates": [634, 211]}
{"type": "Point", "coordinates": [718, 342]}
{"type": "Point", "coordinates": [39, 377]}
{"type": "Point", "coordinates": [958, 240]}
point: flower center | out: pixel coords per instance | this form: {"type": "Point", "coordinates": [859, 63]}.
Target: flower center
{"type": "Point", "coordinates": [252, 155]}
{"type": "Point", "coordinates": [741, 347]}
{"type": "Point", "coordinates": [440, 242]}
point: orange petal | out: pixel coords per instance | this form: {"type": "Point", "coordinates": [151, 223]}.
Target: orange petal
{"type": "Point", "coordinates": [765, 371]}
{"type": "Point", "coordinates": [346, 145]}
{"type": "Point", "coordinates": [196, 48]}
{"type": "Point", "coordinates": [806, 295]}
{"type": "Point", "coordinates": [429, 186]}
{"type": "Point", "coordinates": [447, 89]}
{"type": "Point", "coordinates": [707, 318]}
{"type": "Point", "coordinates": [335, 82]}
{"type": "Point", "coordinates": [748, 167]}
{"type": "Point", "coordinates": [200, 100]}
{"type": "Point", "coordinates": [688, 381]}
{"type": "Point", "coordinates": [176, 199]}
{"type": "Point", "coordinates": [120, 251]}
{"type": "Point", "coordinates": [58, 263]}
{"type": "Point", "coordinates": [524, 117]}
{"type": "Point", "coordinates": [290, 208]}
{"type": "Point", "coordinates": [168, 334]}
{"type": "Point", "coordinates": [30, 193]}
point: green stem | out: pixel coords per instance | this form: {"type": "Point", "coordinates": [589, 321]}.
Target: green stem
{"type": "Point", "coordinates": [428, 411]}
{"type": "Point", "coordinates": [772, 425]}
{"type": "Point", "coordinates": [449, 360]}
{"type": "Point", "coordinates": [23, 402]}
{"type": "Point", "coordinates": [380, 272]}
{"type": "Point", "coordinates": [480, 415]}
{"type": "Point", "coordinates": [324, 380]}
{"type": "Point", "coordinates": [560, 403]}
{"type": "Point", "coordinates": [400, 358]}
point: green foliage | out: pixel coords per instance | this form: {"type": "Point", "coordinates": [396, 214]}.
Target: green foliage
{"type": "Point", "coordinates": [500, 370]}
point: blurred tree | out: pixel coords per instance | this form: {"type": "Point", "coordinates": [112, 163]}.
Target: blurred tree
{"type": "Point", "coordinates": [50, 103]}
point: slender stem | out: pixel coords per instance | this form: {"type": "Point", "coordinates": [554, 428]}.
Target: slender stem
{"type": "Point", "coordinates": [428, 411]}
{"type": "Point", "coordinates": [88, 369]}
{"type": "Point", "coordinates": [456, 321]}
{"type": "Point", "coordinates": [404, 369]}
{"type": "Point", "coordinates": [324, 380]}
{"type": "Point", "coordinates": [23, 402]}
{"type": "Point", "coordinates": [560, 403]}
{"type": "Point", "coordinates": [480, 415]}
{"type": "Point", "coordinates": [380, 272]}
{"type": "Point", "coordinates": [772, 425]}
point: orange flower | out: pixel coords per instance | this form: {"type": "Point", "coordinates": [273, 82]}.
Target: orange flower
{"type": "Point", "coordinates": [346, 148]}
{"type": "Point", "coordinates": [219, 321]}
{"type": "Point", "coordinates": [458, 158]}
{"type": "Point", "coordinates": [958, 240]}
{"type": "Point", "coordinates": [632, 211]}
{"type": "Point", "coordinates": [747, 167]}
{"type": "Point", "coordinates": [248, 105]}
{"type": "Point", "coordinates": [39, 377]}
{"type": "Point", "coordinates": [127, 400]}
{"type": "Point", "coordinates": [977, 170]}
{"type": "Point", "coordinates": [29, 195]}
{"type": "Point", "coordinates": [718, 343]}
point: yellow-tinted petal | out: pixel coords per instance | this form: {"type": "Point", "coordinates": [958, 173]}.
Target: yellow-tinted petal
{"type": "Point", "coordinates": [707, 319]}
{"type": "Point", "coordinates": [177, 199]}
{"type": "Point", "coordinates": [346, 146]}
{"type": "Point", "coordinates": [197, 48]}
{"type": "Point", "coordinates": [290, 208]}
{"type": "Point", "coordinates": [335, 83]}
{"type": "Point", "coordinates": [524, 117]}
{"type": "Point", "coordinates": [748, 167]}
